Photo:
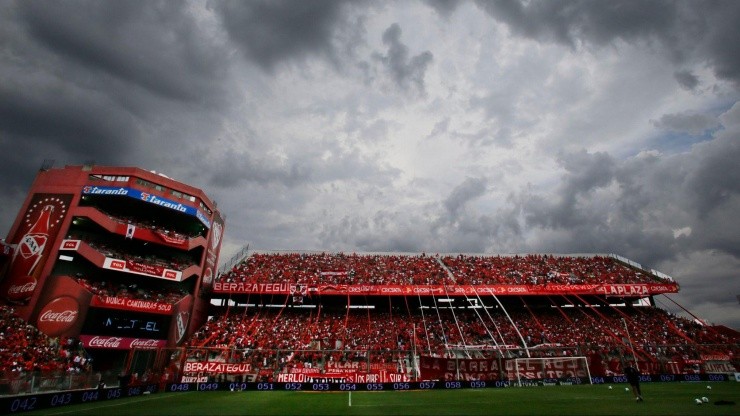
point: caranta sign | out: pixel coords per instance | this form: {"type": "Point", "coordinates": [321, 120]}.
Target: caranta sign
{"type": "Point", "coordinates": [147, 197]}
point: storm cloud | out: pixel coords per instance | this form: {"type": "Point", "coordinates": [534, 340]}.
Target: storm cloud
{"type": "Point", "coordinates": [564, 126]}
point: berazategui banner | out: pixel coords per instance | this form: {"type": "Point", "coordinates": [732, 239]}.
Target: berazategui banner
{"type": "Point", "coordinates": [641, 289]}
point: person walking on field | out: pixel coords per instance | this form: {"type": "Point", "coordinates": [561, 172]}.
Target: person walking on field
{"type": "Point", "coordinates": [633, 377]}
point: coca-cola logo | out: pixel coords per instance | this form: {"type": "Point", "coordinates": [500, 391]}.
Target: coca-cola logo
{"type": "Point", "coordinates": [104, 342]}
{"type": "Point", "coordinates": [21, 289]}
{"type": "Point", "coordinates": [144, 343]}
{"type": "Point", "coordinates": [58, 316]}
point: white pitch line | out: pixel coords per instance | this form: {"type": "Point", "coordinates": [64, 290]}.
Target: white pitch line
{"type": "Point", "coordinates": [92, 407]}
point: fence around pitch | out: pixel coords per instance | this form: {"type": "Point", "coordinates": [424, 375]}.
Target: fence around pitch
{"type": "Point", "coordinates": [37, 382]}
{"type": "Point", "coordinates": [212, 364]}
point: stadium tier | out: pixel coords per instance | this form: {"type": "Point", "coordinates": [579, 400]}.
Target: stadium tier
{"type": "Point", "coordinates": [107, 259]}
{"type": "Point", "coordinates": [296, 316]}
{"type": "Point", "coordinates": [109, 274]}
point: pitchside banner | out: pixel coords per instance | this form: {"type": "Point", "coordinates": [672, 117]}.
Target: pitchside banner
{"type": "Point", "coordinates": [343, 377]}
{"type": "Point", "coordinates": [643, 289]}
{"type": "Point", "coordinates": [433, 368]}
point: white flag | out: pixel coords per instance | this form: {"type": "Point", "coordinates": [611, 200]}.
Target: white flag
{"type": "Point", "coordinates": [130, 230]}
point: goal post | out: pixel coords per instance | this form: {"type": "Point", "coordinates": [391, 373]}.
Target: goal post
{"type": "Point", "coordinates": [543, 368]}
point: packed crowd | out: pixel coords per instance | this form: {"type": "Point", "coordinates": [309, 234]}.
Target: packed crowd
{"type": "Point", "coordinates": [150, 224]}
{"type": "Point", "coordinates": [335, 268]}
{"type": "Point", "coordinates": [652, 334]}
{"type": "Point", "coordinates": [132, 291]}
{"type": "Point", "coordinates": [24, 349]}
{"type": "Point", "coordinates": [539, 269]}
{"type": "Point", "coordinates": [172, 261]}
{"type": "Point", "coordinates": [423, 269]}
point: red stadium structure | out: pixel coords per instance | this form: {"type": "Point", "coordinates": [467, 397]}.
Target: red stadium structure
{"type": "Point", "coordinates": [111, 259]}
{"type": "Point", "coordinates": [120, 264]}
{"type": "Point", "coordinates": [383, 318]}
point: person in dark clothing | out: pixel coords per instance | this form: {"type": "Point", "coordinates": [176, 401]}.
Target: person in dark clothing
{"type": "Point", "coordinates": [633, 377]}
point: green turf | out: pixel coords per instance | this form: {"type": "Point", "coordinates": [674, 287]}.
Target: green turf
{"type": "Point", "coordinates": [660, 399]}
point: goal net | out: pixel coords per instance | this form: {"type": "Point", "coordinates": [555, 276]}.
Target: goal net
{"type": "Point", "coordinates": [564, 369]}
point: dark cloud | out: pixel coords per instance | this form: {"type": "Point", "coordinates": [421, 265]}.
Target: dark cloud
{"type": "Point", "coordinates": [691, 123]}
{"type": "Point", "coordinates": [573, 22]}
{"type": "Point", "coordinates": [270, 32]}
{"type": "Point", "coordinates": [71, 124]}
{"type": "Point", "coordinates": [470, 189]}
{"type": "Point", "coordinates": [715, 181]}
{"type": "Point", "coordinates": [87, 79]}
{"type": "Point", "coordinates": [154, 45]}
{"type": "Point", "coordinates": [318, 158]}
{"type": "Point", "coordinates": [440, 128]}
{"type": "Point", "coordinates": [686, 31]}
{"type": "Point", "coordinates": [444, 7]}
{"type": "Point", "coordinates": [686, 79]}
{"type": "Point", "coordinates": [407, 73]}
{"type": "Point", "coordinates": [586, 172]}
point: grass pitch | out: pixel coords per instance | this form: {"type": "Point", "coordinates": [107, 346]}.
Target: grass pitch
{"type": "Point", "coordinates": [660, 399]}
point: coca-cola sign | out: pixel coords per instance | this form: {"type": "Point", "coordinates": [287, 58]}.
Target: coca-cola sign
{"type": "Point", "coordinates": [144, 343]}
{"type": "Point", "coordinates": [119, 343]}
{"type": "Point", "coordinates": [58, 316]}
{"type": "Point", "coordinates": [41, 221]}
{"type": "Point", "coordinates": [104, 342]}
{"type": "Point", "coordinates": [21, 289]}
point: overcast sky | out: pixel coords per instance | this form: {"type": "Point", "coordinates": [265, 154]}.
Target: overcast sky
{"type": "Point", "coordinates": [433, 126]}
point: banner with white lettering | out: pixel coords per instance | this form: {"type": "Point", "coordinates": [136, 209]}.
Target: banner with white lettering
{"type": "Point", "coordinates": [621, 290]}
{"type": "Point", "coordinates": [120, 343]}
{"type": "Point", "coordinates": [142, 269]}
{"type": "Point", "coordinates": [343, 377]}
{"type": "Point", "coordinates": [172, 238]}
{"type": "Point", "coordinates": [436, 368]}
{"type": "Point", "coordinates": [194, 367]}
{"type": "Point", "coordinates": [150, 198]}
{"type": "Point", "coordinates": [127, 304]}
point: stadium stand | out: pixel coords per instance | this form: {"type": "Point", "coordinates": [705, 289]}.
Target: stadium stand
{"type": "Point", "coordinates": [392, 331]}
{"type": "Point", "coordinates": [275, 336]}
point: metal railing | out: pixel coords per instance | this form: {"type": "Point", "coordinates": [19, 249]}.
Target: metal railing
{"type": "Point", "coordinates": [32, 383]}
